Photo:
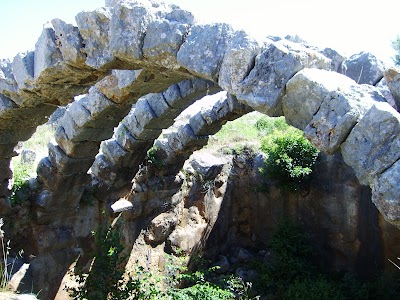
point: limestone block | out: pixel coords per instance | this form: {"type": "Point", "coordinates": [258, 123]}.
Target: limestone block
{"type": "Point", "coordinates": [165, 114]}
{"type": "Point", "coordinates": [363, 67]}
{"type": "Point", "coordinates": [86, 149]}
{"type": "Point", "coordinates": [337, 116]}
{"type": "Point", "coordinates": [162, 42]}
{"type": "Point", "coordinates": [305, 92]}
{"type": "Point", "coordinates": [93, 27]}
{"type": "Point", "coordinates": [117, 87]}
{"type": "Point", "coordinates": [128, 24]}
{"type": "Point", "coordinates": [374, 143]}
{"type": "Point", "coordinates": [274, 66]}
{"type": "Point", "coordinates": [8, 85]}
{"type": "Point", "coordinates": [67, 165]}
{"type": "Point", "coordinates": [103, 169]}
{"type": "Point", "coordinates": [57, 182]}
{"type": "Point", "coordinates": [184, 140]}
{"type": "Point", "coordinates": [82, 134]}
{"type": "Point", "coordinates": [385, 193]}
{"type": "Point", "coordinates": [204, 49]}
{"type": "Point", "coordinates": [48, 60]}
{"type": "Point", "coordinates": [392, 77]}
{"type": "Point", "coordinates": [198, 124]}
{"type": "Point", "coordinates": [23, 70]}
{"type": "Point", "coordinates": [238, 60]}
{"type": "Point", "coordinates": [126, 140]}
{"type": "Point", "coordinates": [207, 164]}
{"type": "Point", "coordinates": [69, 42]}
{"type": "Point", "coordinates": [115, 153]}
{"type": "Point", "coordinates": [383, 88]}
{"type": "Point", "coordinates": [139, 118]}
{"type": "Point", "coordinates": [161, 227]}
{"type": "Point", "coordinates": [335, 57]}
{"type": "Point", "coordinates": [179, 15]}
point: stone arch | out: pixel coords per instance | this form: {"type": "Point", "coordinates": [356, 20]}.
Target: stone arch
{"type": "Point", "coordinates": [126, 35]}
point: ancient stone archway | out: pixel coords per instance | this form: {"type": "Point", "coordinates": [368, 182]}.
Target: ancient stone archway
{"type": "Point", "coordinates": [156, 58]}
{"type": "Point", "coordinates": [164, 45]}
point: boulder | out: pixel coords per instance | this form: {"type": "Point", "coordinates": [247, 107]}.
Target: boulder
{"type": "Point", "coordinates": [385, 193]}
{"type": "Point", "coordinates": [161, 227]}
{"type": "Point", "coordinates": [274, 66]}
{"type": "Point", "coordinates": [363, 67]}
{"type": "Point", "coordinates": [373, 145]}
{"type": "Point", "coordinates": [392, 77]}
{"type": "Point", "coordinates": [206, 164]}
{"type": "Point", "coordinates": [204, 49]}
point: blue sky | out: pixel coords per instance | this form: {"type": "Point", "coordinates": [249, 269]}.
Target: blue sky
{"type": "Point", "coordinates": [348, 26]}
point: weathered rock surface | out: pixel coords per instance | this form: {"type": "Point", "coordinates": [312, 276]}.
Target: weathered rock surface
{"type": "Point", "coordinates": [363, 67]}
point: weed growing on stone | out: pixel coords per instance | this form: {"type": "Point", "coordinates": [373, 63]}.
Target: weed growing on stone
{"type": "Point", "coordinates": [21, 175]}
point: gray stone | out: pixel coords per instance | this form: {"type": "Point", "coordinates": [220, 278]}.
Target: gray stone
{"type": "Point", "coordinates": [23, 69]}
{"type": "Point", "coordinates": [162, 42]}
{"type": "Point", "coordinates": [363, 67]}
{"type": "Point", "coordinates": [385, 193]}
{"type": "Point", "coordinates": [128, 24]}
{"type": "Point", "coordinates": [306, 91]}
{"type": "Point", "coordinates": [374, 143]}
{"type": "Point", "coordinates": [116, 155]}
{"type": "Point", "coordinates": [207, 164]}
{"type": "Point", "coordinates": [385, 91]}
{"type": "Point", "coordinates": [204, 49]}
{"type": "Point", "coordinates": [86, 149]}
{"type": "Point", "coordinates": [274, 66]}
{"type": "Point", "coordinates": [7, 80]}
{"type": "Point", "coordinates": [68, 165]}
{"type": "Point", "coordinates": [93, 27]}
{"type": "Point", "coordinates": [48, 60]}
{"type": "Point", "coordinates": [70, 43]}
{"type": "Point", "coordinates": [392, 77]}
{"type": "Point", "coordinates": [28, 156]}
{"type": "Point", "coordinates": [238, 60]}
{"type": "Point", "coordinates": [160, 228]}
{"type": "Point", "coordinates": [336, 58]}
{"type": "Point", "coordinates": [121, 205]}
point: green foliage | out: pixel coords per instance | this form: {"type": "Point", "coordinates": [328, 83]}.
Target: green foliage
{"type": "Point", "coordinates": [152, 158]}
{"type": "Point", "coordinates": [20, 182]}
{"type": "Point", "coordinates": [290, 158]}
{"type": "Point", "coordinates": [292, 252]}
{"type": "Point", "coordinates": [313, 289]}
{"type": "Point", "coordinates": [267, 125]}
{"type": "Point", "coordinates": [396, 46]}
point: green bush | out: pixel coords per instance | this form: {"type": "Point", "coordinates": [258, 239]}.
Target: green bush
{"type": "Point", "coordinates": [290, 158]}
{"type": "Point", "coordinates": [267, 125]}
{"type": "Point", "coordinates": [313, 289]}
{"type": "Point", "coordinates": [20, 182]}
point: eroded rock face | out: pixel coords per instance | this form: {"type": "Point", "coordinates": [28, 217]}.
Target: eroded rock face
{"type": "Point", "coordinates": [363, 67]}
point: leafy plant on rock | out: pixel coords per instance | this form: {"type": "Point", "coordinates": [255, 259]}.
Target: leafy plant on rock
{"type": "Point", "coordinates": [290, 158]}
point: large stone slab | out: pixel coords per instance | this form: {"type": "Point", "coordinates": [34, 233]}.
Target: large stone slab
{"type": "Point", "coordinates": [274, 66]}
{"type": "Point", "coordinates": [204, 49]}
{"type": "Point", "coordinates": [363, 67]}
{"type": "Point", "coordinates": [374, 143]}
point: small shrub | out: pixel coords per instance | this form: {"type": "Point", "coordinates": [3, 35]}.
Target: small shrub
{"type": "Point", "coordinates": [267, 125]}
{"type": "Point", "coordinates": [290, 158]}
{"type": "Point", "coordinates": [20, 182]}
{"type": "Point", "coordinates": [313, 289]}
{"type": "Point", "coordinates": [153, 158]}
